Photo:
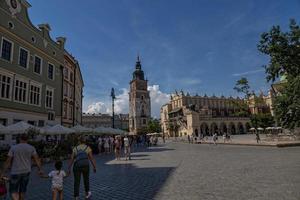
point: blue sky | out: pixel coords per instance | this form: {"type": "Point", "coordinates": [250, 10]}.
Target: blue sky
{"type": "Point", "coordinates": [200, 46]}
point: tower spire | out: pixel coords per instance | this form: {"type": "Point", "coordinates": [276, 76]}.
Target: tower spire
{"type": "Point", "coordinates": [138, 65]}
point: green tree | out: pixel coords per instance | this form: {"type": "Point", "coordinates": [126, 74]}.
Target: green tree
{"type": "Point", "coordinates": [153, 126]}
{"type": "Point", "coordinates": [283, 48]}
{"type": "Point", "coordinates": [262, 120]}
{"type": "Point", "coordinates": [242, 86]}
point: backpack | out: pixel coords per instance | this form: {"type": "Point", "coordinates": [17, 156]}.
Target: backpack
{"type": "Point", "coordinates": [81, 159]}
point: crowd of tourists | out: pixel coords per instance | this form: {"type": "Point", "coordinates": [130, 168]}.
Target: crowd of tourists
{"type": "Point", "coordinates": [20, 156]}
{"type": "Point", "coordinates": [204, 138]}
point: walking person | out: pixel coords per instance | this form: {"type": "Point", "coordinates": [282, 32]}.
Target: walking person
{"type": "Point", "coordinates": [224, 137]}
{"type": "Point", "coordinates": [19, 160]}
{"type": "Point", "coordinates": [117, 148]}
{"type": "Point", "coordinates": [80, 160]}
{"type": "Point", "coordinates": [106, 145]}
{"type": "Point", "coordinates": [57, 176]}
{"type": "Point", "coordinates": [257, 137]}
{"type": "Point", "coordinates": [100, 144]}
{"type": "Point", "coordinates": [126, 148]}
{"type": "Point", "coordinates": [215, 138]}
{"type": "Point", "coordinates": [189, 139]}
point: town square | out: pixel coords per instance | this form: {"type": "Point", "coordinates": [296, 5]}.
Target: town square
{"type": "Point", "coordinates": [144, 100]}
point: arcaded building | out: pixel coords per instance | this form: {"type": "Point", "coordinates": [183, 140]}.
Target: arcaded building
{"type": "Point", "coordinates": [195, 115]}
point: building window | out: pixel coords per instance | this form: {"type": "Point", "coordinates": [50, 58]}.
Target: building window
{"type": "Point", "coordinates": [65, 89]}
{"type": "Point", "coordinates": [5, 86]}
{"type": "Point", "coordinates": [41, 123]}
{"type": "Point", "coordinates": [65, 114]}
{"type": "Point", "coordinates": [3, 121]}
{"type": "Point", "coordinates": [71, 93]}
{"type": "Point", "coordinates": [51, 116]}
{"type": "Point", "coordinates": [49, 98]}
{"type": "Point", "coordinates": [35, 95]}
{"type": "Point", "coordinates": [37, 65]}
{"type": "Point", "coordinates": [23, 58]}
{"type": "Point", "coordinates": [66, 73]}
{"type": "Point", "coordinates": [11, 25]}
{"type": "Point", "coordinates": [20, 91]}
{"type": "Point", "coordinates": [71, 112]}
{"type": "Point", "coordinates": [71, 77]}
{"type": "Point", "coordinates": [51, 71]}
{"type": "Point", "coordinates": [31, 122]}
{"type": "Point", "coordinates": [6, 50]}
{"type": "Point", "coordinates": [144, 121]}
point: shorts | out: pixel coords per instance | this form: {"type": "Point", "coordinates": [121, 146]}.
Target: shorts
{"type": "Point", "coordinates": [18, 183]}
{"type": "Point", "coordinates": [59, 188]}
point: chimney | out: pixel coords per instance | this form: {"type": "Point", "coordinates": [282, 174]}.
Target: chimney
{"type": "Point", "coordinates": [61, 42]}
{"type": "Point", "coordinates": [45, 28]}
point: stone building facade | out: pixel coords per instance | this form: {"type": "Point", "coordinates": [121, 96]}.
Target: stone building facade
{"type": "Point", "coordinates": [96, 120]}
{"type": "Point", "coordinates": [195, 115]}
{"type": "Point", "coordinates": [38, 77]}
{"type": "Point", "coordinates": [139, 101]}
{"type": "Point", "coordinates": [31, 65]}
{"type": "Point", "coordinates": [72, 92]}
{"type": "Point", "coordinates": [105, 120]}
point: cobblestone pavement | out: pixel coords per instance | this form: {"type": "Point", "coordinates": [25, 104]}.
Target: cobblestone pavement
{"type": "Point", "coordinates": [182, 171]}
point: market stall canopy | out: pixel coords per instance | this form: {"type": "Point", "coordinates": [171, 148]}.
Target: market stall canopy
{"type": "Point", "coordinates": [82, 129]}
{"type": "Point", "coordinates": [101, 130]}
{"type": "Point", "coordinates": [252, 129]}
{"type": "Point", "coordinates": [58, 130]}
{"type": "Point", "coordinates": [109, 131]}
{"type": "Point", "coordinates": [17, 128]}
{"type": "Point", "coordinates": [260, 129]}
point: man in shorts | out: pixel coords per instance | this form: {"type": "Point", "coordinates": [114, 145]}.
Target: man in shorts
{"type": "Point", "coordinates": [127, 148]}
{"type": "Point", "coordinates": [19, 159]}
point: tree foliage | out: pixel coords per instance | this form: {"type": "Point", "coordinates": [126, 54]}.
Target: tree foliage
{"type": "Point", "coordinates": [283, 48]}
{"type": "Point", "coordinates": [262, 120]}
{"type": "Point", "coordinates": [153, 126]}
{"type": "Point", "coordinates": [242, 86]}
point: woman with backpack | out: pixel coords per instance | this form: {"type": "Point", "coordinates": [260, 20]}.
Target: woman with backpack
{"type": "Point", "coordinates": [80, 160]}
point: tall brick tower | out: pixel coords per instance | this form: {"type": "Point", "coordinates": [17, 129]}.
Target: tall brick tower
{"type": "Point", "coordinates": [139, 101]}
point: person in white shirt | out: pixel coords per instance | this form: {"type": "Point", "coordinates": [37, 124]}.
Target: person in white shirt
{"type": "Point", "coordinates": [126, 148]}
{"type": "Point", "coordinates": [57, 176]}
{"type": "Point", "coordinates": [100, 144]}
{"type": "Point", "coordinates": [106, 144]}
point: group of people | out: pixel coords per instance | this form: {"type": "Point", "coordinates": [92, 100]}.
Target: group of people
{"type": "Point", "coordinates": [109, 144]}
{"type": "Point", "coordinates": [19, 162]}
{"type": "Point", "coordinates": [214, 138]}
{"type": "Point", "coordinates": [20, 157]}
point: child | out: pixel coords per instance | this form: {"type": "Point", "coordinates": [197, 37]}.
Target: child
{"type": "Point", "coordinates": [57, 180]}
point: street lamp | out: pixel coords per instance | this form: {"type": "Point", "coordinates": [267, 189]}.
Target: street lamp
{"type": "Point", "coordinates": [113, 97]}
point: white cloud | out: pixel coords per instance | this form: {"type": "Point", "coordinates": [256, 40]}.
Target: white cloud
{"type": "Point", "coordinates": [121, 102]}
{"type": "Point", "coordinates": [158, 98]}
{"type": "Point", "coordinates": [98, 107]}
{"type": "Point", "coordinates": [248, 72]}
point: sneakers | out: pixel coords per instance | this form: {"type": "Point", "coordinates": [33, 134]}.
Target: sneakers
{"type": "Point", "coordinates": [89, 194]}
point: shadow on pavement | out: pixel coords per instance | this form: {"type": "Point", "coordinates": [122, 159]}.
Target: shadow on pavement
{"type": "Point", "coordinates": [121, 180]}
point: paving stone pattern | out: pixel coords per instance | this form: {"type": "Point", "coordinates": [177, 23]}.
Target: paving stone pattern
{"type": "Point", "coordinates": [182, 171]}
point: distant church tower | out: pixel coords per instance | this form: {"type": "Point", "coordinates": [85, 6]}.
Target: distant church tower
{"type": "Point", "coordinates": [139, 101]}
